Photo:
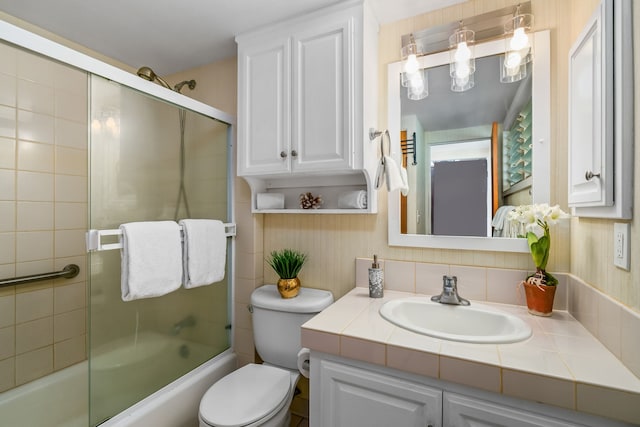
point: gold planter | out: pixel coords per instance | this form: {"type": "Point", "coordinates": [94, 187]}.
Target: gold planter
{"type": "Point", "coordinates": [289, 288]}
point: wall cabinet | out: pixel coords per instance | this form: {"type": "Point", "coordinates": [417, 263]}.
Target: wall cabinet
{"type": "Point", "coordinates": [601, 114]}
{"type": "Point", "coordinates": [306, 99]}
{"type": "Point", "coordinates": [345, 392]}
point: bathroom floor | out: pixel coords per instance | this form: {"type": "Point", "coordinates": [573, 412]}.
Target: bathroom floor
{"type": "Point", "coordinates": [298, 421]}
{"type": "Point", "coordinates": [300, 409]}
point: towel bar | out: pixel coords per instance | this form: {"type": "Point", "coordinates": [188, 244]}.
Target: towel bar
{"type": "Point", "coordinates": [94, 238]}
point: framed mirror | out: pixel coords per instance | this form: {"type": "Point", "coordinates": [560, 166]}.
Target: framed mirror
{"type": "Point", "coordinates": [462, 141]}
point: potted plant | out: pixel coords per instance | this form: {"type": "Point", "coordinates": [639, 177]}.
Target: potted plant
{"type": "Point", "coordinates": [539, 287]}
{"type": "Point", "coordinates": [287, 264]}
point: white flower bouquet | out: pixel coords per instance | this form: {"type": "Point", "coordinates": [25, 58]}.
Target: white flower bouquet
{"type": "Point", "coordinates": [536, 220]}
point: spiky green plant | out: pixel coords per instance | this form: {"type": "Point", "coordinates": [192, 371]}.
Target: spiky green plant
{"type": "Point", "coordinates": [287, 262]}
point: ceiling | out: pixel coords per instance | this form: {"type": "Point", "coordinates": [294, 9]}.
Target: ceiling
{"type": "Point", "coordinates": [172, 36]}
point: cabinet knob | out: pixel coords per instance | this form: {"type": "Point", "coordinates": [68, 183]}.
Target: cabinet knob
{"type": "Point", "coordinates": [294, 153]}
{"type": "Point", "coordinates": [588, 175]}
{"type": "Point", "coordinates": [283, 154]}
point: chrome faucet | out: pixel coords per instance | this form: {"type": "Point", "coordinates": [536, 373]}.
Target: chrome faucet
{"type": "Point", "coordinates": [190, 320]}
{"type": "Point", "coordinates": [449, 293]}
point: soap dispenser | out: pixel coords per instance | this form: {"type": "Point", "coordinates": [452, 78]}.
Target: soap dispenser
{"type": "Point", "coordinates": [376, 279]}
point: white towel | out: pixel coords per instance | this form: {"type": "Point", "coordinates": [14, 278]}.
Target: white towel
{"type": "Point", "coordinates": [151, 259]}
{"type": "Point", "coordinates": [499, 222]}
{"type": "Point", "coordinates": [405, 181]}
{"type": "Point", "coordinates": [270, 201]}
{"type": "Point", "coordinates": [392, 174]}
{"type": "Point", "coordinates": [353, 200]}
{"type": "Point", "coordinates": [204, 252]}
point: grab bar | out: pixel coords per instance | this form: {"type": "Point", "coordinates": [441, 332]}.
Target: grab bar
{"type": "Point", "coordinates": [94, 237]}
{"type": "Point", "coordinates": [69, 271]}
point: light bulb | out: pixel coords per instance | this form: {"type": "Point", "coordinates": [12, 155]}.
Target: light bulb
{"type": "Point", "coordinates": [411, 65]}
{"type": "Point", "coordinates": [463, 53]}
{"type": "Point", "coordinates": [462, 81]}
{"type": "Point", "coordinates": [462, 70]}
{"type": "Point", "coordinates": [513, 60]}
{"type": "Point", "coordinates": [95, 125]}
{"type": "Point", "coordinates": [416, 84]}
{"type": "Point", "coordinates": [519, 40]}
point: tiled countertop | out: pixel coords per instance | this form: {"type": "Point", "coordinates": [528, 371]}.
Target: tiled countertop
{"type": "Point", "coordinates": [561, 364]}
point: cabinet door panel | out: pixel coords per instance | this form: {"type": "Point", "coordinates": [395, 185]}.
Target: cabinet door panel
{"type": "Point", "coordinates": [264, 108]}
{"type": "Point", "coordinates": [591, 114]}
{"type": "Point", "coordinates": [462, 411]}
{"type": "Point", "coordinates": [321, 102]}
{"type": "Point", "coordinates": [356, 397]}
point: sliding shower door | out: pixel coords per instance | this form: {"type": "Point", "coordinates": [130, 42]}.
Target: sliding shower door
{"type": "Point", "coordinates": [150, 160]}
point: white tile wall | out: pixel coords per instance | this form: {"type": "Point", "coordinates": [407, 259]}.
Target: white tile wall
{"type": "Point", "coordinates": [43, 214]}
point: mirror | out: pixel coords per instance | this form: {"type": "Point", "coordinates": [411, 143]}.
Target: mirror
{"type": "Point", "coordinates": [452, 142]}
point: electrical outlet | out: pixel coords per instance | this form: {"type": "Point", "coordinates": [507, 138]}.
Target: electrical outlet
{"type": "Point", "coordinates": [621, 245]}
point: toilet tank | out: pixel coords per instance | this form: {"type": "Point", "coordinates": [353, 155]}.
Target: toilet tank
{"type": "Point", "coordinates": [277, 322]}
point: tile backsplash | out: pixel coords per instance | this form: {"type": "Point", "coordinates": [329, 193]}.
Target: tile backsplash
{"type": "Point", "coordinates": [613, 324]}
{"type": "Point", "coordinates": [43, 214]}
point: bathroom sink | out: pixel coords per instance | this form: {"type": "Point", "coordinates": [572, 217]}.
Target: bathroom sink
{"type": "Point", "coordinates": [476, 323]}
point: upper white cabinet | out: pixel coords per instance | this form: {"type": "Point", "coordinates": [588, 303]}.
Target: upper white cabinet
{"type": "Point", "coordinates": [306, 99]}
{"type": "Point", "coordinates": [601, 114]}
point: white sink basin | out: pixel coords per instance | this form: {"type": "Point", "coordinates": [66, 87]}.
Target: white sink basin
{"type": "Point", "coordinates": [476, 323]}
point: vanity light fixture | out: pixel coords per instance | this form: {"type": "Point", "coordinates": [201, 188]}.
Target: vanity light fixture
{"type": "Point", "coordinates": [515, 63]}
{"type": "Point", "coordinates": [462, 60]}
{"type": "Point", "coordinates": [414, 78]}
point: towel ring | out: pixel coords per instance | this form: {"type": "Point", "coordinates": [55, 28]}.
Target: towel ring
{"type": "Point", "coordinates": [373, 134]}
{"type": "Point", "coordinates": [388, 138]}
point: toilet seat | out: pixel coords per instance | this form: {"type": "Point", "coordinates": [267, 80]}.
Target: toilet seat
{"type": "Point", "coordinates": [251, 393]}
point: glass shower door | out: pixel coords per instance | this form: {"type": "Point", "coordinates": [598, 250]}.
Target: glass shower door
{"type": "Point", "coordinates": [145, 166]}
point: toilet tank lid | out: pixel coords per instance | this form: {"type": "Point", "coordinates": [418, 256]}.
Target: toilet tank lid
{"type": "Point", "coordinates": [308, 300]}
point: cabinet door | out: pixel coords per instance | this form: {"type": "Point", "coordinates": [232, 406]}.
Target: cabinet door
{"type": "Point", "coordinates": [351, 396]}
{"type": "Point", "coordinates": [264, 81]}
{"type": "Point", "coordinates": [322, 102]}
{"type": "Point", "coordinates": [591, 176]}
{"type": "Point", "coordinates": [462, 411]}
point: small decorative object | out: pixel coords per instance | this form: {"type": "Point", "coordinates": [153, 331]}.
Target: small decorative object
{"type": "Point", "coordinates": [307, 201]}
{"type": "Point", "coordinates": [287, 263]}
{"type": "Point", "coordinates": [376, 279]}
{"type": "Point", "coordinates": [540, 287]}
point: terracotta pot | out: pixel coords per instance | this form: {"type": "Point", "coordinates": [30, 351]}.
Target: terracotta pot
{"type": "Point", "coordinates": [289, 288]}
{"type": "Point", "coordinates": [539, 299]}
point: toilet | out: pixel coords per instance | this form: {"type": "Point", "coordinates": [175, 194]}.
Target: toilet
{"type": "Point", "coordinates": [260, 394]}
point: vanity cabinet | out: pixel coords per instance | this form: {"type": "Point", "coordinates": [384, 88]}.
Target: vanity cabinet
{"type": "Point", "coordinates": [306, 99]}
{"type": "Point", "coordinates": [345, 392]}
{"type": "Point", "coordinates": [601, 114]}
{"type": "Point", "coordinates": [352, 396]}
{"type": "Point", "coordinates": [463, 411]}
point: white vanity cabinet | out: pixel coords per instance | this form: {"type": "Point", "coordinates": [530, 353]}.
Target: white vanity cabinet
{"type": "Point", "coordinates": [352, 396]}
{"type": "Point", "coordinates": [306, 99]}
{"type": "Point", "coordinates": [346, 392]}
{"type": "Point", "coordinates": [463, 411]}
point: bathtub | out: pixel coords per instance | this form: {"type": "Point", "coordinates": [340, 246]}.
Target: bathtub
{"type": "Point", "coordinates": [61, 399]}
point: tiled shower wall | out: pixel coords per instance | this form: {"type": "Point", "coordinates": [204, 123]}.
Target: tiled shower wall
{"type": "Point", "coordinates": [43, 214]}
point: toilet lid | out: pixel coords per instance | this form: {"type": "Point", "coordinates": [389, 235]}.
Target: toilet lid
{"type": "Point", "coordinates": [245, 396]}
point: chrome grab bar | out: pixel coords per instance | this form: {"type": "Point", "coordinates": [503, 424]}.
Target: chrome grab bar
{"type": "Point", "coordinates": [69, 271]}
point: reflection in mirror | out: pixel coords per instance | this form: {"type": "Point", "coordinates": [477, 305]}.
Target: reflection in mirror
{"type": "Point", "coordinates": [475, 152]}
{"type": "Point", "coordinates": [458, 188]}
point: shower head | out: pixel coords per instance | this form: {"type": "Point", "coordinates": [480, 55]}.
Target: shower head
{"type": "Point", "coordinates": [190, 83]}
{"type": "Point", "coordinates": [148, 74]}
